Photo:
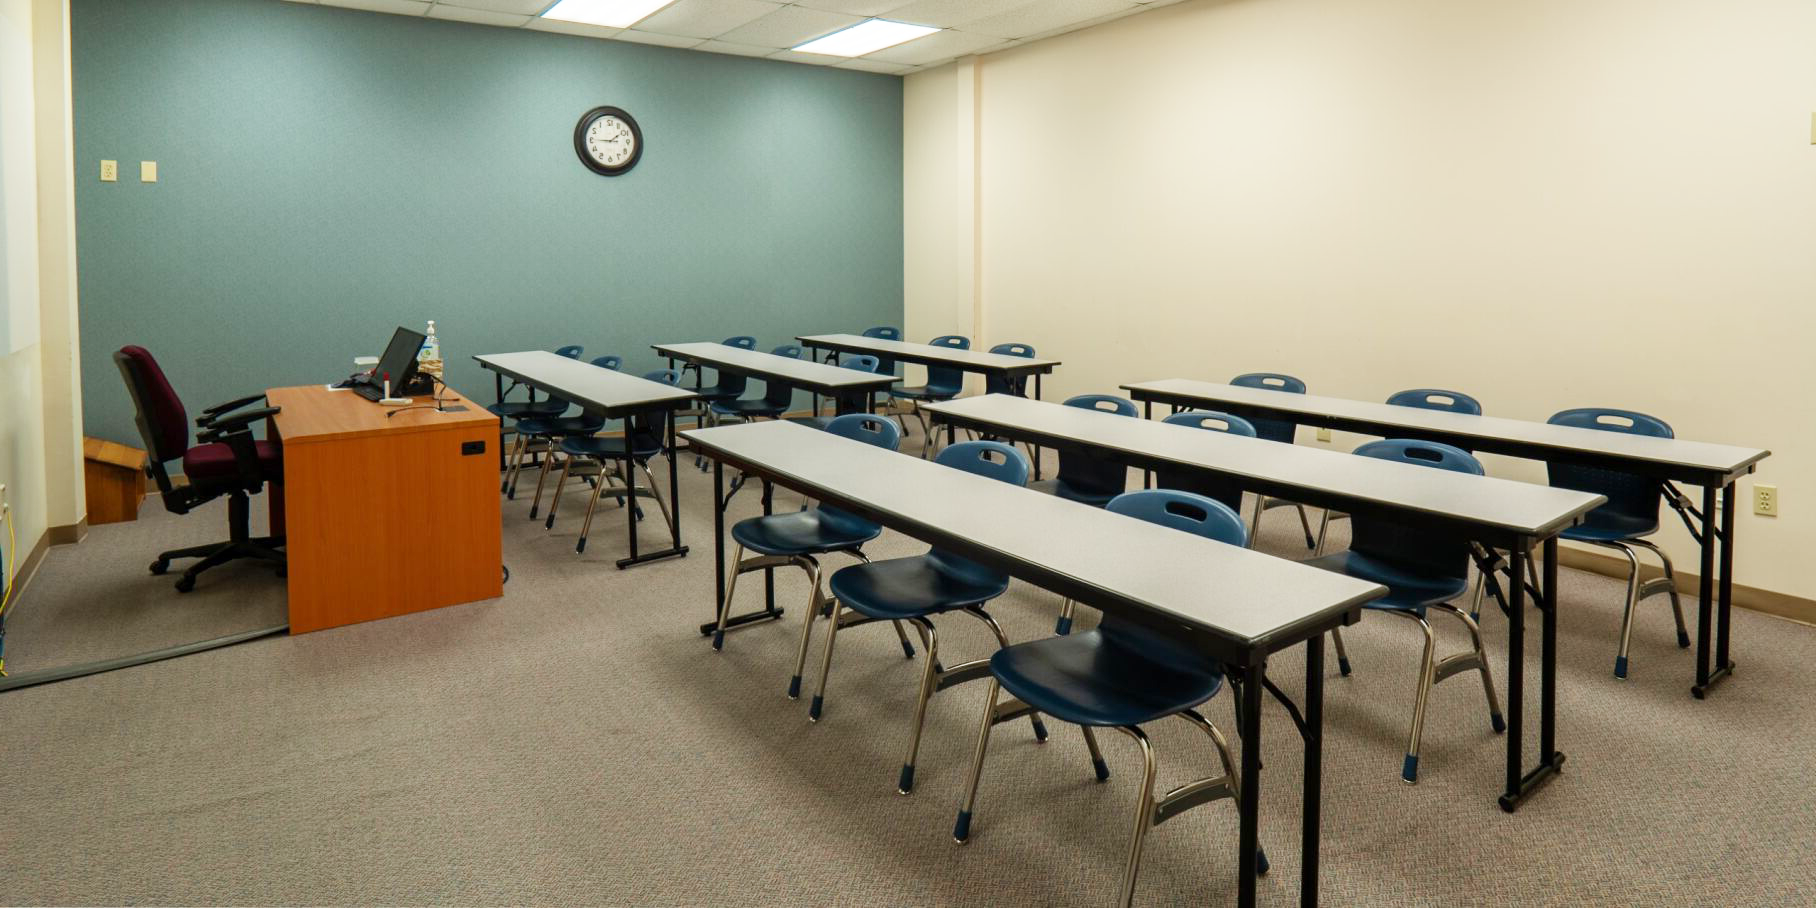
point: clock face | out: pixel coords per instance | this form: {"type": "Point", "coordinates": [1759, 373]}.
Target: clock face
{"type": "Point", "coordinates": [608, 141]}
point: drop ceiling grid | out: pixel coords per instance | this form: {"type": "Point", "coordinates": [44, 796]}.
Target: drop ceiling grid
{"type": "Point", "coordinates": [769, 28]}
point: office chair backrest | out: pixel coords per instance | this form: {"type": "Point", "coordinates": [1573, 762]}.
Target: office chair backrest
{"type": "Point", "coordinates": [985, 458]}
{"type": "Point", "coordinates": [1187, 513]}
{"type": "Point", "coordinates": [940, 378]}
{"type": "Point", "coordinates": [1218, 488]}
{"type": "Point", "coordinates": [609, 361]}
{"type": "Point", "coordinates": [1272, 429]}
{"type": "Point", "coordinates": [1442, 553]}
{"type": "Point", "coordinates": [1213, 420]}
{"type": "Point", "coordinates": [743, 340]}
{"type": "Point", "coordinates": [571, 351]}
{"type": "Point", "coordinates": [1629, 494]}
{"type": "Point", "coordinates": [163, 423]}
{"type": "Point", "coordinates": [863, 362]}
{"type": "Point", "coordinates": [1088, 472]}
{"type": "Point", "coordinates": [997, 384]}
{"type": "Point", "coordinates": [792, 351]}
{"type": "Point", "coordinates": [1437, 399]}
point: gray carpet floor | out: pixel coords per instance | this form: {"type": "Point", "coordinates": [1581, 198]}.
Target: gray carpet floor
{"type": "Point", "coordinates": [577, 742]}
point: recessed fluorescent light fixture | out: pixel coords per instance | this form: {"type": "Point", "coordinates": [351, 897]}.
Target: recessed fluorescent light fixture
{"type": "Point", "coordinates": [609, 13]}
{"type": "Point", "coordinates": [864, 37]}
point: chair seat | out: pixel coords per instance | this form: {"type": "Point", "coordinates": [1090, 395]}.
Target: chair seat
{"type": "Point", "coordinates": [755, 406]}
{"type": "Point", "coordinates": [561, 425]}
{"type": "Point", "coordinates": [807, 532]}
{"type": "Point", "coordinates": [514, 409]}
{"type": "Point", "coordinates": [1090, 679]}
{"type": "Point", "coordinates": [923, 392]}
{"type": "Point", "coordinates": [1407, 591]}
{"type": "Point", "coordinates": [908, 588]}
{"type": "Point", "coordinates": [608, 448]}
{"type": "Point", "coordinates": [1602, 525]}
{"type": "Point", "coordinates": [215, 460]}
{"type": "Point", "coordinates": [1071, 492]}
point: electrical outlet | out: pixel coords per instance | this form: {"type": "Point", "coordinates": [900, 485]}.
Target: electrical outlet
{"type": "Point", "coordinates": [1765, 500]}
{"type": "Point", "coordinates": [110, 171]}
{"type": "Point", "coordinates": [1324, 435]}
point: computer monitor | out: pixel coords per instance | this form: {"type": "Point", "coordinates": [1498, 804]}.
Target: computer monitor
{"type": "Point", "coordinates": [399, 360]}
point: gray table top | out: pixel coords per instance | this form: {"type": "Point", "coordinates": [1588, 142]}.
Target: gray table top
{"type": "Point", "coordinates": [593, 388]}
{"type": "Point", "coordinates": [802, 373]}
{"type": "Point", "coordinates": [1518, 437]}
{"type": "Point", "coordinates": [968, 360]}
{"type": "Point", "coordinates": [1333, 478]}
{"type": "Point", "coordinates": [1256, 603]}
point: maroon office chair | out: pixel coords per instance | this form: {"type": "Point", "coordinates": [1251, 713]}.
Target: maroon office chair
{"type": "Point", "coordinates": [227, 461]}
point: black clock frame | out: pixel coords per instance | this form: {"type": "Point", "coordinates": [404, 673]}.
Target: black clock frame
{"type": "Point", "coordinates": [587, 119]}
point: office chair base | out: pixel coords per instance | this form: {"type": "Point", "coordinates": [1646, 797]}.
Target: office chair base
{"type": "Point", "coordinates": [264, 548]}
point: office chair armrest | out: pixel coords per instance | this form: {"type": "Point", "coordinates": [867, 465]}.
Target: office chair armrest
{"type": "Point", "coordinates": [238, 423]}
{"type": "Point", "coordinates": [210, 414]}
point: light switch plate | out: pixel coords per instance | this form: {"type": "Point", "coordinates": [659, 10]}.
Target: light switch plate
{"type": "Point", "coordinates": [110, 171]}
{"type": "Point", "coordinates": [148, 171]}
{"type": "Point", "coordinates": [1324, 435]}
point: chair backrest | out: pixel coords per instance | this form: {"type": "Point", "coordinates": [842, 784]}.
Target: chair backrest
{"type": "Point", "coordinates": [792, 351]}
{"type": "Point", "coordinates": [158, 411]}
{"type": "Point", "coordinates": [868, 428]}
{"type": "Point", "coordinates": [1272, 429]}
{"type": "Point", "coordinates": [1436, 399]}
{"type": "Point", "coordinates": [742, 340]}
{"type": "Point", "coordinates": [997, 384]}
{"type": "Point", "coordinates": [1220, 488]}
{"type": "Point", "coordinates": [571, 351]}
{"type": "Point", "coordinates": [885, 364]}
{"type": "Point", "coordinates": [1428, 552]}
{"type": "Point", "coordinates": [1629, 494]}
{"type": "Point", "coordinates": [1188, 513]}
{"type": "Point", "coordinates": [665, 376]}
{"type": "Point", "coordinates": [609, 361]}
{"type": "Point", "coordinates": [984, 458]}
{"type": "Point", "coordinates": [863, 362]}
{"type": "Point", "coordinates": [940, 378]}
{"type": "Point", "coordinates": [1088, 472]}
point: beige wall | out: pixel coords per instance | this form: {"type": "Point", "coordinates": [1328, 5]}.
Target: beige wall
{"type": "Point", "coordinates": [40, 440]}
{"type": "Point", "coordinates": [1547, 204]}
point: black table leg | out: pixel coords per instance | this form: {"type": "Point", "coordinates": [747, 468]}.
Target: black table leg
{"type": "Point", "coordinates": [1249, 804]}
{"type": "Point", "coordinates": [719, 504]}
{"type": "Point", "coordinates": [1548, 753]}
{"type": "Point", "coordinates": [769, 574]}
{"type": "Point", "coordinates": [498, 389]}
{"type": "Point", "coordinates": [674, 481]}
{"type": "Point", "coordinates": [1037, 447]}
{"type": "Point", "coordinates": [1516, 673]}
{"type": "Point", "coordinates": [1713, 585]}
{"type": "Point", "coordinates": [1726, 601]}
{"type": "Point", "coordinates": [1147, 476]}
{"type": "Point", "coordinates": [1521, 784]}
{"type": "Point", "coordinates": [1705, 598]}
{"type": "Point", "coordinates": [676, 549]}
{"type": "Point", "coordinates": [1311, 812]}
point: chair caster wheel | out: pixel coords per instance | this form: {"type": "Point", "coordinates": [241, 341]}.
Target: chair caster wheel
{"type": "Point", "coordinates": [186, 584]}
{"type": "Point", "coordinates": [160, 566]}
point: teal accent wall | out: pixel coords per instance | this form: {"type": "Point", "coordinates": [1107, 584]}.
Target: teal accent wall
{"type": "Point", "coordinates": [326, 175]}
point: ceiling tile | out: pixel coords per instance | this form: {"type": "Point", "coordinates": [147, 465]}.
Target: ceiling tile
{"type": "Point", "coordinates": [643, 37]}
{"type": "Point", "coordinates": [1044, 16]}
{"type": "Point", "coordinates": [874, 66]}
{"type": "Point", "coordinates": [398, 7]}
{"type": "Point", "coordinates": [935, 47]}
{"type": "Point", "coordinates": [789, 26]}
{"type": "Point", "coordinates": [706, 18]}
{"type": "Point", "coordinates": [742, 50]}
{"type": "Point", "coordinates": [477, 16]}
{"type": "Point", "coordinates": [854, 7]}
{"type": "Point", "coordinates": [1088, 23]}
{"type": "Point", "coordinates": [572, 28]}
{"type": "Point", "coordinates": [951, 13]}
{"type": "Point", "coordinates": [515, 7]}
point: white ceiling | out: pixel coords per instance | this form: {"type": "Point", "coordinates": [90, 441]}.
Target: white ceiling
{"type": "Point", "coordinates": [768, 28]}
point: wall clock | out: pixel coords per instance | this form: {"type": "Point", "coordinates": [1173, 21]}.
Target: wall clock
{"type": "Point", "coordinates": [608, 141]}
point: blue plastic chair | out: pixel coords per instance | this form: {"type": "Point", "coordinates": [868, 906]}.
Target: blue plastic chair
{"type": "Point", "coordinates": [777, 395]}
{"type": "Point", "coordinates": [862, 362]}
{"type": "Point", "coordinates": [552, 406]}
{"type": "Point", "coordinates": [996, 384]}
{"type": "Point", "coordinates": [544, 434]}
{"type": "Point", "coordinates": [1087, 478]}
{"type": "Point", "coordinates": [885, 364]}
{"type": "Point", "coordinates": [1281, 430]}
{"type": "Point", "coordinates": [609, 361]}
{"type": "Point", "coordinates": [798, 538]}
{"type": "Point", "coordinates": [1436, 399]}
{"type": "Point", "coordinates": [604, 456]}
{"type": "Point", "coordinates": [942, 384]}
{"type": "Point", "coordinates": [1120, 675]}
{"type": "Point", "coordinates": [1423, 570]}
{"type": "Point", "coordinates": [571, 351]}
{"type": "Point", "coordinates": [916, 588]}
{"type": "Point", "coordinates": [726, 386]}
{"type": "Point", "coordinates": [1226, 491]}
{"type": "Point", "coordinates": [1630, 515]}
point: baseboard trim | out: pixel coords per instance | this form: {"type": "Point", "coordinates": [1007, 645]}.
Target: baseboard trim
{"type": "Point", "coordinates": [1783, 605]}
{"type": "Point", "coordinates": [29, 569]}
{"type": "Point", "coordinates": [69, 533]}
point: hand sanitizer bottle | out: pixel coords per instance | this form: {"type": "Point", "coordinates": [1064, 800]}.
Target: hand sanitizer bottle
{"type": "Point", "coordinates": [429, 358]}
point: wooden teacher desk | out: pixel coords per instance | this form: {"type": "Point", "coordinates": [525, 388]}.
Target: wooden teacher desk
{"type": "Point", "coordinates": [384, 510]}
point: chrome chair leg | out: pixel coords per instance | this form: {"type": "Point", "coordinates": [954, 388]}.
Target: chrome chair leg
{"type": "Point", "coordinates": [832, 635]}
{"type": "Point", "coordinates": [731, 589]}
{"type": "Point", "coordinates": [1620, 658]}
{"type": "Point", "coordinates": [905, 784]}
{"type": "Point", "coordinates": [1305, 523]}
{"type": "Point", "coordinates": [1409, 771]}
{"type": "Point", "coordinates": [812, 567]}
{"type": "Point", "coordinates": [599, 490]}
{"type": "Point", "coordinates": [1669, 584]}
{"type": "Point", "coordinates": [1064, 625]}
{"type": "Point", "coordinates": [548, 460]}
{"type": "Point", "coordinates": [961, 828]}
{"type": "Point", "coordinates": [1231, 777]}
{"type": "Point", "coordinates": [560, 483]}
{"type": "Point", "coordinates": [1481, 664]}
{"type": "Point", "coordinates": [1144, 813]}
{"type": "Point", "coordinates": [1002, 642]}
{"type": "Point", "coordinates": [1336, 637]}
{"type": "Point", "coordinates": [1097, 764]}
{"type": "Point", "coordinates": [510, 471]}
{"type": "Point", "coordinates": [655, 492]}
